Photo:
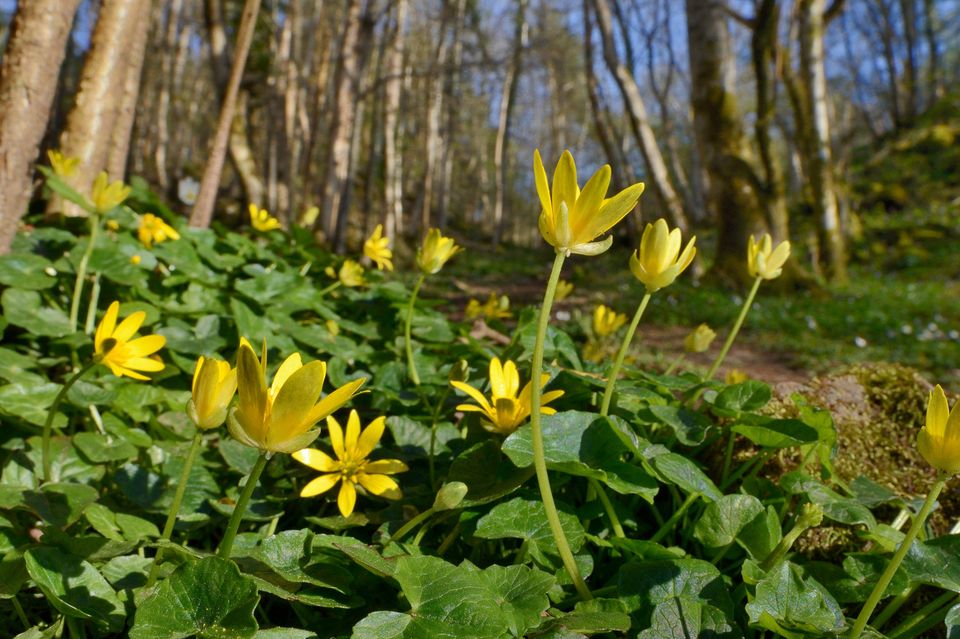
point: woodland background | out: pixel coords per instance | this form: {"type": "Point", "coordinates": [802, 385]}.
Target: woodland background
{"type": "Point", "coordinates": [352, 113]}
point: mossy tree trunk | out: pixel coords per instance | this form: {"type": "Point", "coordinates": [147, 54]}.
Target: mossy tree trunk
{"type": "Point", "coordinates": [732, 187]}
{"type": "Point", "coordinates": [39, 32]}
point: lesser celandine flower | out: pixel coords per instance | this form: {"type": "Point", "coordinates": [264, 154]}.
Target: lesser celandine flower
{"type": "Point", "coordinates": [494, 308]}
{"type": "Point", "coordinates": [939, 439]}
{"type": "Point", "coordinates": [349, 275]}
{"type": "Point", "coordinates": [939, 443]}
{"type": "Point", "coordinates": [282, 418]}
{"type": "Point", "coordinates": [564, 289]}
{"type": "Point", "coordinates": [435, 251]}
{"type": "Point", "coordinates": [571, 220]}
{"type": "Point", "coordinates": [261, 219]}
{"type": "Point", "coordinates": [153, 230]}
{"type": "Point", "coordinates": [214, 384]}
{"type": "Point", "coordinates": [699, 339]}
{"type": "Point", "coordinates": [107, 196]}
{"type": "Point", "coordinates": [377, 248]}
{"type": "Point", "coordinates": [351, 467]}
{"type": "Point", "coordinates": [763, 260]}
{"type": "Point", "coordinates": [62, 165]}
{"type": "Point", "coordinates": [125, 356]}
{"type": "Point", "coordinates": [607, 321]}
{"type": "Point", "coordinates": [658, 261]}
{"type": "Point", "coordinates": [506, 410]}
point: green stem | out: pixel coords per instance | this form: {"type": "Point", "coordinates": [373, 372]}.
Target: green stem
{"type": "Point", "coordinates": [675, 517]}
{"type": "Point", "coordinates": [756, 462]}
{"type": "Point", "coordinates": [893, 607]}
{"type": "Point", "coordinates": [676, 362]}
{"type": "Point", "coordinates": [736, 329]}
{"type": "Point", "coordinates": [410, 525]}
{"type": "Point", "coordinates": [910, 623]}
{"type": "Point", "coordinates": [92, 307]}
{"type": "Point", "coordinates": [332, 287]}
{"type": "Point", "coordinates": [728, 455]}
{"type": "Point", "coordinates": [433, 435]}
{"type": "Point", "coordinates": [52, 413]}
{"type": "Point", "coordinates": [536, 434]}
{"type": "Point", "coordinates": [82, 271]}
{"type": "Point", "coordinates": [449, 539]}
{"type": "Point", "coordinates": [226, 544]}
{"type": "Point", "coordinates": [411, 366]}
{"type": "Point", "coordinates": [621, 354]}
{"type": "Point", "coordinates": [898, 556]}
{"type": "Point", "coordinates": [20, 613]}
{"type": "Point", "coordinates": [175, 506]}
{"type": "Point", "coordinates": [608, 507]}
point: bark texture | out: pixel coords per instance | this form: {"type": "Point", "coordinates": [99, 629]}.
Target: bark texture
{"type": "Point", "coordinates": [39, 32]}
{"type": "Point", "coordinates": [127, 112]}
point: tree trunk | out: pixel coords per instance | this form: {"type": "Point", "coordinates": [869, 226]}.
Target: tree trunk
{"type": "Point", "coordinates": [167, 65]}
{"type": "Point", "coordinates": [123, 128]}
{"type": "Point", "coordinates": [639, 123]}
{"type": "Point", "coordinates": [820, 158]}
{"type": "Point", "coordinates": [203, 208]}
{"type": "Point", "coordinates": [340, 134]}
{"type": "Point", "coordinates": [95, 112]}
{"type": "Point", "coordinates": [39, 32]}
{"type": "Point", "coordinates": [507, 94]}
{"type": "Point", "coordinates": [911, 86]}
{"type": "Point", "coordinates": [453, 105]}
{"type": "Point", "coordinates": [392, 158]}
{"type": "Point", "coordinates": [931, 24]}
{"type": "Point", "coordinates": [731, 193]}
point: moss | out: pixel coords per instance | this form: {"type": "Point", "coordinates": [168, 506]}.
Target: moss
{"type": "Point", "coordinates": [898, 392]}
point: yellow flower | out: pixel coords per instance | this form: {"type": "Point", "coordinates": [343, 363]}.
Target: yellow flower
{"type": "Point", "coordinates": [135, 260]}
{"type": "Point", "coordinates": [435, 252]}
{"type": "Point", "coordinates": [261, 220]}
{"type": "Point", "coordinates": [699, 339]}
{"type": "Point", "coordinates": [736, 376]}
{"type": "Point", "coordinates": [505, 410]}
{"type": "Point", "coordinates": [939, 439]}
{"type": "Point", "coordinates": [113, 225]}
{"type": "Point", "coordinates": [153, 230]}
{"type": "Point", "coordinates": [107, 197]}
{"type": "Point", "coordinates": [62, 165]}
{"type": "Point", "coordinates": [571, 220]}
{"type": "Point", "coordinates": [351, 274]}
{"type": "Point", "coordinates": [564, 288]}
{"type": "Point", "coordinates": [659, 261]}
{"type": "Point", "coordinates": [494, 308]}
{"type": "Point", "coordinates": [352, 466]}
{"type": "Point", "coordinates": [607, 321]}
{"type": "Point", "coordinates": [377, 248]}
{"type": "Point", "coordinates": [214, 384]}
{"type": "Point", "coordinates": [474, 309]}
{"type": "Point", "coordinates": [765, 261]}
{"type": "Point", "coordinates": [281, 419]}
{"type": "Point", "coordinates": [113, 346]}
{"type": "Point", "coordinates": [332, 327]}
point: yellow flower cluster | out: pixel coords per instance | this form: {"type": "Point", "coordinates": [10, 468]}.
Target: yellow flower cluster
{"type": "Point", "coordinates": [496, 307]}
{"type": "Point", "coordinates": [261, 219]}
{"type": "Point", "coordinates": [153, 230]}
{"type": "Point", "coordinates": [607, 321]}
{"type": "Point", "coordinates": [377, 249]}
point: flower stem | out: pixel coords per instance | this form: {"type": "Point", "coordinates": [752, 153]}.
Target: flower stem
{"type": "Point", "coordinates": [226, 544]}
{"type": "Point", "coordinates": [175, 506]}
{"type": "Point", "coordinates": [736, 329]}
{"type": "Point", "coordinates": [536, 434]}
{"type": "Point", "coordinates": [675, 363]}
{"type": "Point", "coordinates": [898, 556]}
{"type": "Point", "coordinates": [332, 287]}
{"type": "Point", "coordinates": [917, 622]}
{"type": "Point", "coordinates": [92, 307]}
{"type": "Point", "coordinates": [82, 271]}
{"type": "Point", "coordinates": [675, 517]}
{"type": "Point", "coordinates": [52, 413]}
{"type": "Point", "coordinates": [410, 525]}
{"type": "Point", "coordinates": [621, 354]}
{"type": "Point", "coordinates": [433, 435]}
{"type": "Point", "coordinates": [608, 508]}
{"type": "Point", "coordinates": [411, 366]}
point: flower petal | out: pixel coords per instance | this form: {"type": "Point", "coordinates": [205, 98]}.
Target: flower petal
{"type": "Point", "coordinates": [589, 203]}
{"type": "Point", "coordinates": [614, 209]}
{"type": "Point", "coordinates": [292, 404]}
{"type": "Point", "coordinates": [335, 400]}
{"type": "Point", "coordinates": [474, 394]}
{"type": "Point", "coordinates": [336, 437]}
{"type": "Point", "coordinates": [146, 345]}
{"type": "Point", "coordinates": [385, 466]}
{"type": "Point", "coordinates": [347, 498]}
{"type": "Point", "coordinates": [317, 460]}
{"type": "Point", "coordinates": [287, 368]}
{"type": "Point", "coordinates": [129, 326]}
{"type": "Point", "coordinates": [252, 391]}
{"type": "Point", "coordinates": [107, 324]}
{"type": "Point", "coordinates": [938, 412]}
{"type": "Point", "coordinates": [320, 485]}
{"type": "Point", "coordinates": [370, 437]}
{"type": "Point", "coordinates": [565, 188]}
{"type": "Point", "coordinates": [380, 485]}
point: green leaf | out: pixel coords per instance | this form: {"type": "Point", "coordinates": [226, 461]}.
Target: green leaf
{"type": "Point", "coordinates": [29, 401]}
{"type": "Point", "coordinates": [75, 587]}
{"type": "Point", "coordinates": [845, 510]}
{"type": "Point", "coordinates": [775, 433]}
{"type": "Point", "coordinates": [461, 602]}
{"type": "Point", "coordinates": [741, 398]}
{"type": "Point", "coordinates": [952, 622]}
{"type": "Point", "coordinates": [761, 534]}
{"type": "Point", "coordinates": [487, 472]}
{"type": "Point", "coordinates": [690, 427]}
{"type": "Point", "coordinates": [935, 562]}
{"type": "Point", "coordinates": [723, 519]}
{"type": "Point", "coordinates": [787, 600]}
{"type": "Point", "coordinates": [208, 598]}
{"type": "Point", "coordinates": [677, 598]}
{"type": "Point", "coordinates": [523, 518]}
{"type": "Point", "coordinates": [26, 271]}
{"type": "Point", "coordinates": [681, 471]}
{"type": "Point", "coordinates": [60, 504]}
{"type": "Point", "coordinates": [585, 445]}
{"type": "Point", "coordinates": [101, 449]}
{"type": "Point", "coordinates": [855, 581]}
{"type": "Point", "coordinates": [13, 572]}
{"type": "Point", "coordinates": [26, 310]}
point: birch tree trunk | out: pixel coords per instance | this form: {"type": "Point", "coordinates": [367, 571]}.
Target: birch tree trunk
{"type": "Point", "coordinates": [911, 86]}
{"type": "Point", "coordinates": [639, 122]}
{"type": "Point", "coordinates": [91, 122]}
{"type": "Point", "coordinates": [731, 192]}
{"type": "Point", "coordinates": [433, 142]}
{"type": "Point", "coordinates": [168, 62]}
{"type": "Point", "coordinates": [123, 128]}
{"type": "Point", "coordinates": [392, 159]}
{"type": "Point", "coordinates": [203, 208]}
{"type": "Point", "coordinates": [39, 32]}
{"type": "Point", "coordinates": [340, 134]}
{"type": "Point", "coordinates": [931, 24]}
{"type": "Point", "coordinates": [507, 94]}
{"type": "Point", "coordinates": [820, 156]}
{"type": "Point", "coordinates": [453, 105]}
